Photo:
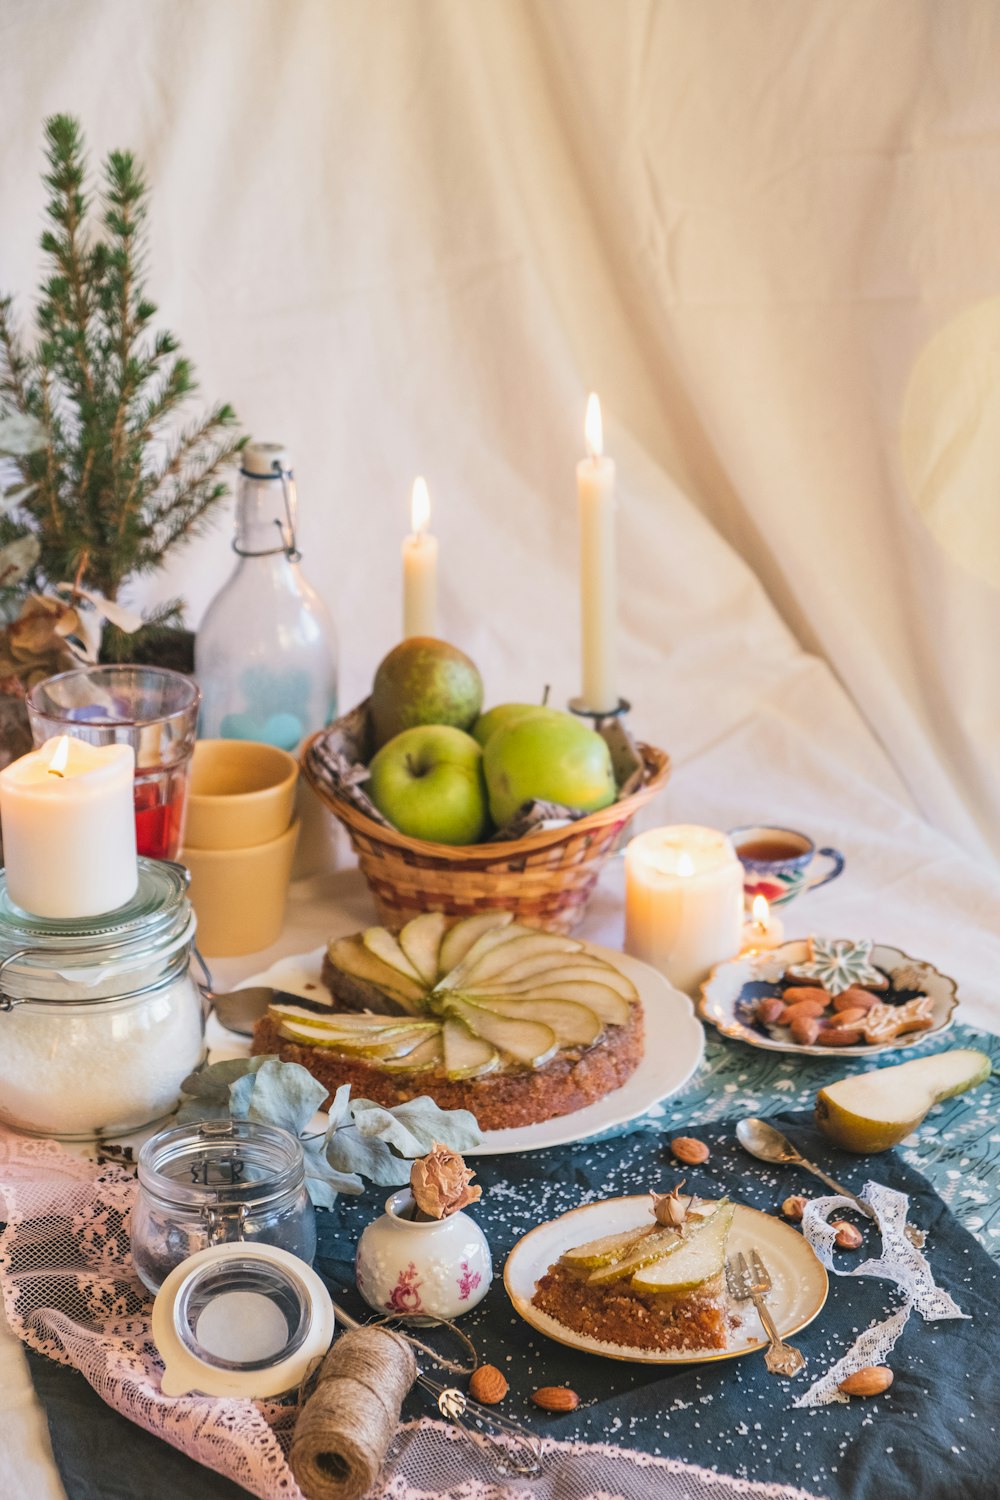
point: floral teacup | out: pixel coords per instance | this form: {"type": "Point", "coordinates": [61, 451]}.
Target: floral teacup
{"type": "Point", "coordinates": [777, 863]}
{"type": "Point", "coordinates": [422, 1268]}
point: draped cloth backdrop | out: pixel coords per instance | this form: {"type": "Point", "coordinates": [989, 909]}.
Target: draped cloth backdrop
{"type": "Point", "coordinates": [409, 235]}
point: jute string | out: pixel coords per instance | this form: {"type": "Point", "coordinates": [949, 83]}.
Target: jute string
{"type": "Point", "coordinates": [347, 1424]}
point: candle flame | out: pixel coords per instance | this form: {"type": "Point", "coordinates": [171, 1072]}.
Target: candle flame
{"type": "Point", "coordinates": [593, 427]}
{"type": "Point", "coordinates": [420, 507]}
{"type": "Point", "coordinates": [685, 864]}
{"type": "Point", "coordinates": [761, 913]}
{"type": "Point", "coordinates": [60, 756]}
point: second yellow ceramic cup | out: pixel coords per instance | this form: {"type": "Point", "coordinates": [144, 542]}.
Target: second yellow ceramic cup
{"type": "Point", "coordinates": [239, 894]}
{"type": "Point", "coordinates": [242, 794]}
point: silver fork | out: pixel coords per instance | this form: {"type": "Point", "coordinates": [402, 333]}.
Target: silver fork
{"type": "Point", "coordinates": [751, 1284]}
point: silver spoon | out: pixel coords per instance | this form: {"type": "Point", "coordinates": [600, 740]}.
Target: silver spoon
{"type": "Point", "coordinates": [240, 1010]}
{"type": "Point", "coordinates": [762, 1140]}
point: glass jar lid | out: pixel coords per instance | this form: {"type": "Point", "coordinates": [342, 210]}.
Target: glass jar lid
{"type": "Point", "coordinates": [82, 953]}
{"type": "Point", "coordinates": [221, 1164]}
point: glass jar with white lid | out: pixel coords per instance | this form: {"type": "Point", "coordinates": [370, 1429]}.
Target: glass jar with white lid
{"type": "Point", "coordinates": [101, 1019]}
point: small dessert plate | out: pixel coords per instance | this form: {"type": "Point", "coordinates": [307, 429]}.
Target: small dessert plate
{"type": "Point", "coordinates": [733, 988]}
{"type": "Point", "coordinates": [799, 1280]}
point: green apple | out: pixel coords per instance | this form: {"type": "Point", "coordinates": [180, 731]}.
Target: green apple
{"type": "Point", "coordinates": [508, 713]}
{"type": "Point", "coordinates": [424, 681]}
{"type": "Point", "coordinates": [547, 758]}
{"type": "Point", "coordinates": [874, 1111]}
{"type": "Point", "coordinates": [429, 783]}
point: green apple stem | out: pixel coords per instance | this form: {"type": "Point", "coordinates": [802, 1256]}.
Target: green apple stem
{"type": "Point", "coordinates": [545, 695]}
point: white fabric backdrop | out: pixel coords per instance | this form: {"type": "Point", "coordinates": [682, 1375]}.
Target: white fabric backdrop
{"type": "Point", "coordinates": [409, 237]}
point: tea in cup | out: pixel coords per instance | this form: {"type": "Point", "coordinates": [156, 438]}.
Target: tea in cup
{"type": "Point", "coordinates": [777, 863]}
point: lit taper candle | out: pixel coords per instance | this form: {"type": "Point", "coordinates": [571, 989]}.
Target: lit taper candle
{"type": "Point", "coordinates": [420, 551]}
{"type": "Point", "coordinates": [595, 486]}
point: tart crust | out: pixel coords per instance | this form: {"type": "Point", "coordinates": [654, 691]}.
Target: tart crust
{"type": "Point", "coordinates": [617, 1314]}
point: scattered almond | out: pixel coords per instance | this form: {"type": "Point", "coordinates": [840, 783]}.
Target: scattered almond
{"type": "Point", "coordinates": [691, 1152]}
{"type": "Point", "coordinates": [849, 1236]}
{"type": "Point", "coordinates": [556, 1398]}
{"type": "Point", "coordinates": [871, 1381]}
{"type": "Point", "coordinates": [770, 1010]}
{"type": "Point", "coordinates": [488, 1385]}
{"type": "Point", "coordinates": [805, 1030]}
{"type": "Point", "coordinates": [794, 1207]}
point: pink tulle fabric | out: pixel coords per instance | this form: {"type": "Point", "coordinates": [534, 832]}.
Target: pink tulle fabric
{"type": "Point", "coordinates": [70, 1293]}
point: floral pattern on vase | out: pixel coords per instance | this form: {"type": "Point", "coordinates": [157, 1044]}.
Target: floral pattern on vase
{"type": "Point", "coordinates": [405, 1295]}
{"type": "Point", "coordinates": [468, 1281]}
{"type": "Point", "coordinates": [425, 1268]}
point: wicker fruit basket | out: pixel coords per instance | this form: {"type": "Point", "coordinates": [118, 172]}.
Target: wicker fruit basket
{"type": "Point", "coordinates": [545, 879]}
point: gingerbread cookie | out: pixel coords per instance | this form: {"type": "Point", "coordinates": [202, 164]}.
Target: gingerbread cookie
{"type": "Point", "coordinates": [837, 964]}
{"type": "Point", "coordinates": [884, 1023]}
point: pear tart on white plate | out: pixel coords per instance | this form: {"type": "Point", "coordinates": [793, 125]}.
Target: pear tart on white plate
{"type": "Point", "coordinates": [515, 1024]}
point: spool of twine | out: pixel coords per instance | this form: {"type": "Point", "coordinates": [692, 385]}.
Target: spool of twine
{"type": "Point", "coordinates": [347, 1424]}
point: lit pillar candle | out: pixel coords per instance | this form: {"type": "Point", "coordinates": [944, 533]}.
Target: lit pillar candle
{"type": "Point", "coordinates": [420, 552]}
{"type": "Point", "coordinates": [595, 487]}
{"type": "Point", "coordinates": [69, 828]}
{"type": "Point", "coordinates": [763, 930]}
{"type": "Point", "coordinates": [683, 901]}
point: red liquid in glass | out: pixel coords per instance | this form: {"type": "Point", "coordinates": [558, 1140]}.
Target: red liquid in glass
{"type": "Point", "coordinates": [159, 812]}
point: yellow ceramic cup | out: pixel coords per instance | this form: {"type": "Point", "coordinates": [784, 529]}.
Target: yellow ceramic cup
{"type": "Point", "coordinates": [242, 793]}
{"type": "Point", "coordinates": [239, 894]}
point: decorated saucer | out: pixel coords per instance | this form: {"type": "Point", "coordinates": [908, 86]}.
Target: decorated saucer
{"type": "Point", "coordinates": [733, 990]}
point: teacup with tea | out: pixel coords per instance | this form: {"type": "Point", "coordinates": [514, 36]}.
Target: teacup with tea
{"type": "Point", "coordinates": [778, 863]}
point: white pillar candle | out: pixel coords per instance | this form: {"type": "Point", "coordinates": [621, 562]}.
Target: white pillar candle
{"type": "Point", "coordinates": [69, 828]}
{"type": "Point", "coordinates": [595, 487]}
{"type": "Point", "coordinates": [683, 901]}
{"type": "Point", "coordinates": [420, 551]}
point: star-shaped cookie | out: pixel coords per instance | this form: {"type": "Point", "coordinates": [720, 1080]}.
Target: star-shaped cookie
{"type": "Point", "coordinates": [836, 964]}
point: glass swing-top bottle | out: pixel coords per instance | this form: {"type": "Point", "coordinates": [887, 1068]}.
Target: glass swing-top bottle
{"type": "Point", "coordinates": [266, 653]}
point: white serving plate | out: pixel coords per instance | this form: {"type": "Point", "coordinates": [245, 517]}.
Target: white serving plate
{"type": "Point", "coordinates": [674, 1044]}
{"type": "Point", "coordinates": [800, 1282]}
{"type": "Point", "coordinates": [722, 999]}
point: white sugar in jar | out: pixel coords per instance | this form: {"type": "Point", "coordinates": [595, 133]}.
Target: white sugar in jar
{"type": "Point", "coordinates": [100, 1018]}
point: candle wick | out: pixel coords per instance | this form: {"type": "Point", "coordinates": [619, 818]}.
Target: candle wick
{"type": "Point", "coordinates": [56, 773]}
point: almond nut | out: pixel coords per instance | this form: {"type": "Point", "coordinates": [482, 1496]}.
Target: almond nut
{"type": "Point", "coordinates": [848, 1017]}
{"type": "Point", "coordinates": [855, 999]}
{"type": "Point", "coordinates": [805, 1030]}
{"type": "Point", "coordinates": [804, 1010]}
{"type": "Point", "coordinates": [794, 1208]}
{"type": "Point", "coordinates": [808, 994]}
{"type": "Point", "coordinates": [691, 1152]}
{"type": "Point", "coordinates": [871, 1381]}
{"type": "Point", "coordinates": [841, 1036]}
{"type": "Point", "coordinates": [556, 1398]}
{"type": "Point", "coordinates": [488, 1385]}
{"type": "Point", "coordinates": [770, 1010]}
{"type": "Point", "coordinates": [849, 1236]}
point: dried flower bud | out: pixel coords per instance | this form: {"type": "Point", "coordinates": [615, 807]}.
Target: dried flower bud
{"type": "Point", "coordinates": [794, 1207]}
{"type": "Point", "coordinates": [440, 1183]}
{"type": "Point", "coordinates": [670, 1210]}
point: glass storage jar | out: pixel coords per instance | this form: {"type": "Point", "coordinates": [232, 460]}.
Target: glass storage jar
{"type": "Point", "coordinates": [100, 1017]}
{"type": "Point", "coordinates": [215, 1182]}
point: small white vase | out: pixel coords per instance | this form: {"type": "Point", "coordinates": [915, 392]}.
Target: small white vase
{"type": "Point", "coordinates": [437, 1268]}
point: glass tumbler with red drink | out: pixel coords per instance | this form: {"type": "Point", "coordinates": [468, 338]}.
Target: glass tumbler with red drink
{"type": "Point", "coordinates": [150, 708]}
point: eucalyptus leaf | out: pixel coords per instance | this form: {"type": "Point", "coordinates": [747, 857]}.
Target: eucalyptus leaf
{"type": "Point", "coordinates": [196, 1110]}
{"type": "Point", "coordinates": [415, 1127]}
{"type": "Point", "coordinates": [323, 1181]}
{"type": "Point", "coordinates": [279, 1093]}
{"type": "Point", "coordinates": [339, 1112]}
{"type": "Point", "coordinates": [212, 1080]}
{"type": "Point", "coordinates": [21, 434]}
{"type": "Point", "coordinates": [349, 1151]}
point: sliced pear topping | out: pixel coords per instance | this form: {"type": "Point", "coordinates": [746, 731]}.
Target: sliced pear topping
{"type": "Point", "coordinates": [420, 941]}
{"type": "Point", "coordinates": [574, 1025]}
{"type": "Point", "coordinates": [503, 955]}
{"type": "Point", "coordinates": [528, 1042]}
{"type": "Point", "coordinates": [650, 1249]}
{"type": "Point", "coordinates": [604, 1002]}
{"type": "Point", "coordinates": [460, 938]}
{"type": "Point", "coordinates": [349, 1021]}
{"type": "Point", "coordinates": [466, 1055]}
{"type": "Point", "coordinates": [606, 1249]}
{"type": "Point", "coordinates": [429, 1055]}
{"type": "Point", "coordinates": [700, 1257]}
{"type": "Point", "coordinates": [380, 941]}
{"type": "Point", "coordinates": [377, 984]}
{"type": "Point", "coordinates": [555, 967]}
{"type": "Point", "coordinates": [493, 938]}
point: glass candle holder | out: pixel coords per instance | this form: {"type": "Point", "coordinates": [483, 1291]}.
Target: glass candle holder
{"type": "Point", "coordinates": [150, 708]}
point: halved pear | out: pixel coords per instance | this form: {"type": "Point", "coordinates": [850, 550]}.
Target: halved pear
{"type": "Point", "coordinates": [700, 1257]}
{"type": "Point", "coordinates": [369, 983]}
{"type": "Point", "coordinates": [555, 967]}
{"type": "Point", "coordinates": [429, 1055]}
{"type": "Point", "coordinates": [609, 1247]}
{"type": "Point", "coordinates": [420, 940]}
{"type": "Point", "coordinates": [526, 1041]}
{"type": "Point", "coordinates": [605, 1002]}
{"type": "Point", "coordinates": [460, 938]}
{"type": "Point", "coordinates": [652, 1247]}
{"type": "Point", "coordinates": [503, 955]}
{"type": "Point", "coordinates": [574, 1025]}
{"type": "Point", "coordinates": [380, 941]}
{"type": "Point", "coordinates": [874, 1111]}
{"type": "Point", "coordinates": [465, 1054]}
